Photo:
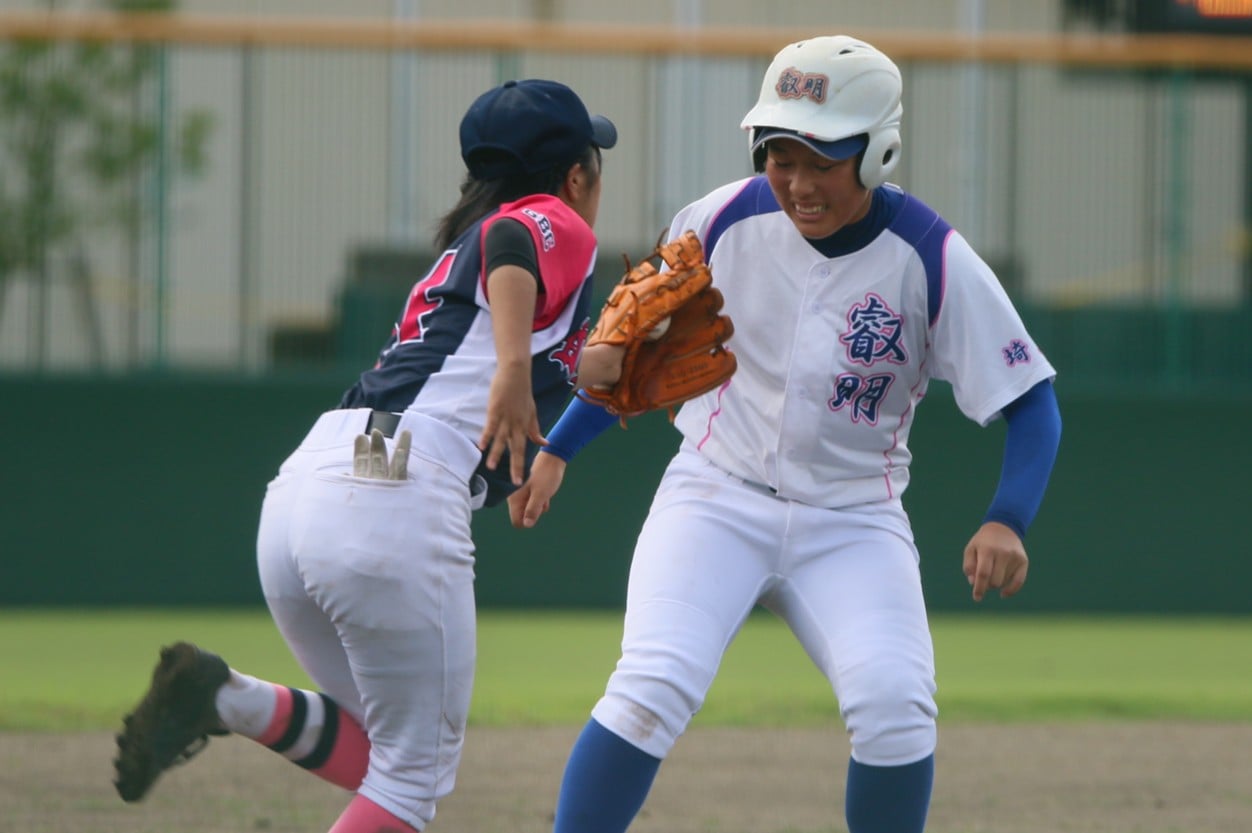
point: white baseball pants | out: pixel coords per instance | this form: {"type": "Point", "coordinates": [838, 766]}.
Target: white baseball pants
{"type": "Point", "coordinates": [846, 581]}
{"type": "Point", "coordinates": [371, 584]}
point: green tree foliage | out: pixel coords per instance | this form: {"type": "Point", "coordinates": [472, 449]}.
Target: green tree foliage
{"type": "Point", "coordinates": [74, 112]}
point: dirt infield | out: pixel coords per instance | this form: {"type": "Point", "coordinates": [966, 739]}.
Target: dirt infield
{"type": "Point", "coordinates": [1062, 778]}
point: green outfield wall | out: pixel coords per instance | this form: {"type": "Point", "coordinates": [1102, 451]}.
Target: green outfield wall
{"type": "Point", "coordinates": [145, 491]}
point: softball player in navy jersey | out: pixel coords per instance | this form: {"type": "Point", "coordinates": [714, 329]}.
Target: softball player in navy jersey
{"type": "Point", "coordinates": [848, 296]}
{"type": "Point", "coordinates": [366, 562]}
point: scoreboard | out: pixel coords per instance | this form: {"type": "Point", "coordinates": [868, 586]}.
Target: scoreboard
{"type": "Point", "coordinates": [1217, 17]}
{"type": "Point", "coordinates": [1211, 17]}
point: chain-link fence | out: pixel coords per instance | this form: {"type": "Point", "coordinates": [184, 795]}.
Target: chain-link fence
{"type": "Point", "coordinates": [190, 196]}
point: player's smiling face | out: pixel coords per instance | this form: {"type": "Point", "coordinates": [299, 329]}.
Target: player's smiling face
{"type": "Point", "coordinates": [819, 195]}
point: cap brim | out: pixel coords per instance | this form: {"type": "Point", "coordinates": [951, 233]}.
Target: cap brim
{"type": "Point", "coordinates": [837, 150]}
{"type": "Point", "coordinates": [603, 133]}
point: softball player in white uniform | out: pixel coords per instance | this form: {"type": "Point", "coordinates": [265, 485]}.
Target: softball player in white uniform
{"type": "Point", "coordinates": [848, 296]}
{"type": "Point", "coordinates": [366, 562]}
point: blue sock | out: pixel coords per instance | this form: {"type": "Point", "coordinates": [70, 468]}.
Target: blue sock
{"type": "Point", "coordinates": [606, 780]}
{"type": "Point", "coordinates": [889, 799]}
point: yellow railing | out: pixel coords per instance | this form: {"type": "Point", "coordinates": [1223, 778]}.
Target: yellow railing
{"type": "Point", "coordinates": [1141, 51]}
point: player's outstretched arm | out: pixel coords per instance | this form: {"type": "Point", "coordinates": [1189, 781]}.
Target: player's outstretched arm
{"type": "Point", "coordinates": [580, 424]}
{"type": "Point", "coordinates": [535, 495]}
{"type": "Point", "coordinates": [512, 418]}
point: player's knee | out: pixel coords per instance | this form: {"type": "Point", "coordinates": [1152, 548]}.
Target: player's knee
{"type": "Point", "coordinates": [636, 723]}
{"type": "Point", "coordinates": [650, 711]}
{"type": "Point", "coordinates": [890, 718]}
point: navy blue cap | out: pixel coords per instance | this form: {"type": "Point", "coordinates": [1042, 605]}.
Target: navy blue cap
{"type": "Point", "coordinates": [837, 150]}
{"type": "Point", "coordinates": [524, 127]}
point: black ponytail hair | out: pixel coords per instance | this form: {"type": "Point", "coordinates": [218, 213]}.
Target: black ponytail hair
{"type": "Point", "coordinates": [479, 197]}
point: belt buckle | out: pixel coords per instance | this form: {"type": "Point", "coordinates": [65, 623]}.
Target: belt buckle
{"type": "Point", "coordinates": [385, 421]}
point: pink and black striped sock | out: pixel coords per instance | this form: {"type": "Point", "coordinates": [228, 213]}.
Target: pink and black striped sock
{"type": "Point", "coordinates": [310, 730]}
{"type": "Point", "coordinates": [306, 727]}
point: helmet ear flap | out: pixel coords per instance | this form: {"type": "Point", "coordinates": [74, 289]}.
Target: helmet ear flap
{"type": "Point", "coordinates": [880, 157]}
{"type": "Point", "coordinates": [758, 159]}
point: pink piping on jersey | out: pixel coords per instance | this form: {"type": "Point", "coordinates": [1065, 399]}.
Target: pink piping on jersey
{"type": "Point", "coordinates": [709, 429]}
{"type": "Point", "coordinates": [921, 373]}
{"type": "Point", "coordinates": [716, 411]}
{"type": "Point", "coordinates": [895, 435]}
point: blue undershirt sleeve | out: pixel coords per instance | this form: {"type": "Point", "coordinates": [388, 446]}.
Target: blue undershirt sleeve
{"type": "Point", "coordinates": [581, 423]}
{"type": "Point", "coordinates": [1030, 444]}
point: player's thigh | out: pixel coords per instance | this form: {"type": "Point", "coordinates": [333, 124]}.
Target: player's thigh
{"type": "Point", "coordinates": [379, 553]}
{"type": "Point", "coordinates": [857, 607]}
{"type": "Point", "coordinates": [416, 687]}
{"type": "Point", "coordinates": [391, 563]}
{"type": "Point", "coordinates": [701, 561]}
{"type": "Point", "coordinates": [277, 572]}
{"type": "Point", "coordinates": [306, 628]}
{"type": "Point", "coordinates": [709, 542]}
{"type": "Point", "coordinates": [315, 643]}
{"type": "Point", "coordinates": [855, 591]}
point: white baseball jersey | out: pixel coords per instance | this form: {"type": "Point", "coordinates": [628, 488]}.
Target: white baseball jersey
{"type": "Point", "coordinates": [836, 352]}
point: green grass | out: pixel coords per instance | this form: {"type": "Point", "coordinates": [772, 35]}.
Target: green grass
{"type": "Point", "coordinates": [64, 670]}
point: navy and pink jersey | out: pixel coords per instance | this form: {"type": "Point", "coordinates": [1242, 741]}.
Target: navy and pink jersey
{"type": "Point", "coordinates": [441, 357]}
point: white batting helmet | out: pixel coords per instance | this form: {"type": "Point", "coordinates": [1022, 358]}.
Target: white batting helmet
{"type": "Point", "coordinates": [837, 94]}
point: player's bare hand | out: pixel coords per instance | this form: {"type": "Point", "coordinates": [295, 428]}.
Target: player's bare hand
{"type": "Point", "coordinates": [535, 496]}
{"type": "Point", "coordinates": [600, 365]}
{"type": "Point", "coordinates": [995, 559]}
{"type": "Point", "coordinates": [512, 419]}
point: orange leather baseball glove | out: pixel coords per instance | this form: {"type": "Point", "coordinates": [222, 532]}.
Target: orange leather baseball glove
{"type": "Point", "coordinates": [670, 323]}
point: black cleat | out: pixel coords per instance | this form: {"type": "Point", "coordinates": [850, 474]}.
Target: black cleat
{"type": "Point", "coordinates": [173, 721]}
